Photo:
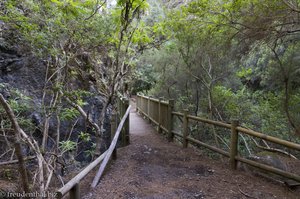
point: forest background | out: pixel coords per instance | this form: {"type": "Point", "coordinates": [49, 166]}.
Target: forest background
{"type": "Point", "coordinates": [219, 59]}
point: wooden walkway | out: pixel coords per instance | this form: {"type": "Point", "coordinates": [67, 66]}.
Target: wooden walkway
{"type": "Point", "coordinates": [152, 168]}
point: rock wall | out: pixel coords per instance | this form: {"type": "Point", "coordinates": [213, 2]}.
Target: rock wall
{"type": "Point", "coordinates": [22, 71]}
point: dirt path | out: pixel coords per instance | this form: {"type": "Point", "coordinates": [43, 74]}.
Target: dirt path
{"type": "Point", "coordinates": [152, 168]}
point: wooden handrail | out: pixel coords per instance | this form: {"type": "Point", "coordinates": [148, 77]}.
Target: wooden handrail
{"type": "Point", "coordinates": [235, 130]}
{"type": "Point", "coordinates": [110, 149]}
{"type": "Point", "coordinates": [285, 143]}
{"type": "Point", "coordinates": [153, 99]}
{"type": "Point", "coordinates": [73, 185]}
{"type": "Point", "coordinates": [178, 114]}
{"type": "Point", "coordinates": [67, 187]}
{"type": "Point", "coordinates": [204, 120]}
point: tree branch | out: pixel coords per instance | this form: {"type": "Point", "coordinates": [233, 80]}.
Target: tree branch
{"type": "Point", "coordinates": [96, 10]}
{"type": "Point", "coordinates": [83, 113]}
{"type": "Point", "coordinates": [291, 6]}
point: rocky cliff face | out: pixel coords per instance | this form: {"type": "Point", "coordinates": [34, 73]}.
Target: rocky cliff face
{"type": "Point", "coordinates": [20, 70]}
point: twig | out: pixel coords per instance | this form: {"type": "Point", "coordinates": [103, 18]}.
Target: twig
{"type": "Point", "coordinates": [246, 144]}
{"type": "Point", "coordinates": [96, 10]}
{"type": "Point", "coordinates": [274, 150]}
{"type": "Point", "coordinates": [291, 6]}
{"type": "Point", "coordinates": [12, 154]}
{"type": "Point", "coordinates": [83, 113]}
{"type": "Point", "coordinates": [49, 179]}
{"type": "Point", "coordinates": [222, 140]}
{"type": "Point", "coordinates": [61, 180]}
{"type": "Point", "coordinates": [5, 153]}
{"type": "Point", "coordinates": [16, 161]}
{"type": "Point", "coordinates": [72, 128]}
{"type": "Point", "coordinates": [245, 194]}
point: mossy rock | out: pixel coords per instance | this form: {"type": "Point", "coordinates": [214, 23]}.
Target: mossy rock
{"type": "Point", "coordinates": [270, 159]}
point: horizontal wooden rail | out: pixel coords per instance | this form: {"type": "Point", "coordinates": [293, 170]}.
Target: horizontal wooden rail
{"type": "Point", "coordinates": [269, 138]}
{"type": "Point", "coordinates": [215, 149]}
{"type": "Point", "coordinates": [164, 129]}
{"type": "Point", "coordinates": [153, 99]}
{"type": "Point", "coordinates": [73, 185]}
{"type": "Point", "coordinates": [67, 187]}
{"type": "Point", "coordinates": [144, 105]}
{"type": "Point", "coordinates": [177, 114]}
{"type": "Point", "coordinates": [207, 121]}
{"type": "Point", "coordinates": [152, 120]}
{"type": "Point", "coordinates": [110, 149]}
{"type": "Point", "coordinates": [177, 134]}
{"type": "Point", "coordinates": [269, 168]}
{"type": "Point", "coordinates": [141, 111]}
{"type": "Point", "coordinates": [164, 103]}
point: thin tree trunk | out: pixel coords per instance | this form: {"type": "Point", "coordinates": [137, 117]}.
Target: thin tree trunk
{"type": "Point", "coordinates": [45, 133]}
{"type": "Point", "coordinates": [286, 105]}
{"type": "Point", "coordinates": [17, 143]}
{"type": "Point", "coordinates": [210, 111]}
{"type": "Point", "coordinates": [57, 131]}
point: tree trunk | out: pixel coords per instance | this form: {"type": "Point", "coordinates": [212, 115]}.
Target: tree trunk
{"type": "Point", "coordinates": [45, 133]}
{"type": "Point", "coordinates": [17, 143]}
{"type": "Point", "coordinates": [286, 106]}
{"type": "Point", "coordinates": [210, 113]}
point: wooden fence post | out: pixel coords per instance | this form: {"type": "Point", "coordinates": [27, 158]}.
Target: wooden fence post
{"type": "Point", "coordinates": [170, 120]}
{"type": "Point", "coordinates": [137, 103]}
{"type": "Point", "coordinates": [148, 110]}
{"type": "Point", "coordinates": [75, 192]}
{"type": "Point", "coordinates": [119, 108]}
{"type": "Point", "coordinates": [125, 135]}
{"type": "Point", "coordinates": [142, 105]}
{"type": "Point", "coordinates": [113, 131]}
{"type": "Point", "coordinates": [159, 115]}
{"type": "Point", "coordinates": [122, 104]}
{"type": "Point", "coordinates": [185, 128]}
{"type": "Point", "coordinates": [234, 144]}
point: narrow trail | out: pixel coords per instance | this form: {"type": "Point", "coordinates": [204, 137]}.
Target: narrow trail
{"type": "Point", "coordinates": [152, 168]}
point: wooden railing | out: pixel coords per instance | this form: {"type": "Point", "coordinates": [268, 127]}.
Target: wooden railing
{"type": "Point", "coordinates": [157, 111]}
{"type": "Point", "coordinates": [162, 114]}
{"type": "Point", "coordinates": [122, 105]}
{"type": "Point", "coordinates": [72, 187]}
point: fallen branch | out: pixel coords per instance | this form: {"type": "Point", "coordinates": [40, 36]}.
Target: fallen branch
{"type": "Point", "coordinates": [16, 161]}
{"type": "Point", "coordinates": [245, 194]}
{"type": "Point", "coordinates": [274, 150]}
{"type": "Point", "coordinates": [246, 144]}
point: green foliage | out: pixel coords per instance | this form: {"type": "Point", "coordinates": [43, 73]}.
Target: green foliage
{"type": "Point", "coordinates": [221, 59]}
{"type": "Point", "coordinates": [67, 146]}
{"type": "Point", "coordinates": [261, 111]}
{"type": "Point", "coordinates": [85, 137]}
{"type": "Point", "coordinates": [230, 59]}
{"type": "Point", "coordinates": [91, 151]}
{"type": "Point", "coordinates": [49, 25]}
{"type": "Point", "coordinates": [143, 79]}
{"type": "Point", "coordinates": [234, 104]}
{"type": "Point", "coordinates": [244, 73]}
{"type": "Point", "coordinates": [69, 114]}
{"type": "Point", "coordinates": [22, 107]}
